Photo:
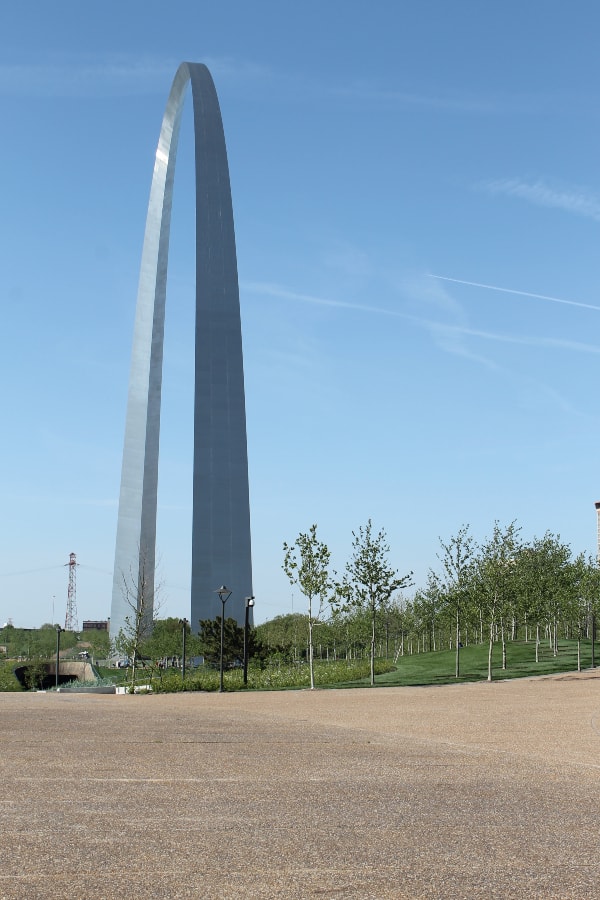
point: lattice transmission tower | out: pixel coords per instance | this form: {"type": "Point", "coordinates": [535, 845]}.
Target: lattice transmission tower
{"type": "Point", "coordinates": [71, 623]}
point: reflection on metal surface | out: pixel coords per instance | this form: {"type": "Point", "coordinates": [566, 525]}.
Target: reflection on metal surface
{"type": "Point", "coordinates": [221, 511]}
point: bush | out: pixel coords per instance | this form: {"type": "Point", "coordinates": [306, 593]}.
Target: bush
{"type": "Point", "coordinates": [8, 679]}
{"type": "Point", "coordinates": [271, 678]}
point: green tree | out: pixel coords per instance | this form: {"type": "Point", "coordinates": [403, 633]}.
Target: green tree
{"type": "Point", "coordinates": [457, 560]}
{"type": "Point", "coordinates": [306, 563]}
{"type": "Point", "coordinates": [544, 576]}
{"type": "Point", "coordinates": [426, 607]}
{"type": "Point", "coordinates": [370, 580]}
{"type": "Point", "coordinates": [166, 639]}
{"type": "Point", "coordinates": [99, 641]}
{"type": "Point", "coordinates": [285, 636]}
{"type": "Point", "coordinates": [209, 642]}
{"type": "Point", "coordinates": [495, 576]}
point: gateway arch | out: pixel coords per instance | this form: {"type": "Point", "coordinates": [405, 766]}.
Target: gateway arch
{"type": "Point", "coordinates": [221, 553]}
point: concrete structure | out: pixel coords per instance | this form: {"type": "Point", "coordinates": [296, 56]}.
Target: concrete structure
{"type": "Point", "coordinates": [221, 511]}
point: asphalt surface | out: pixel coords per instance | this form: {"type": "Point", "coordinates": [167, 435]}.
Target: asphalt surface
{"type": "Point", "coordinates": [466, 791]}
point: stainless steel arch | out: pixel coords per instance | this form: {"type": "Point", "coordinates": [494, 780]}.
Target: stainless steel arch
{"type": "Point", "coordinates": [221, 550]}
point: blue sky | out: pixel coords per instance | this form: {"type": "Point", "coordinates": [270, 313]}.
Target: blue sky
{"type": "Point", "coordinates": [393, 166]}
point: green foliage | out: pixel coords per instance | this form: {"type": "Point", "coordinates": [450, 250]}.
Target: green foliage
{"type": "Point", "coordinates": [99, 641]}
{"type": "Point", "coordinates": [8, 679]}
{"type": "Point", "coordinates": [166, 639]}
{"type": "Point", "coordinates": [285, 637]}
{"type": "Point", "coordinates": [337, 673]}
{"type": "Point", "coordinates": [273, 677]}
{"type": "Point", "coordinates": [209, 643]}
{"type": "Point", "coordinates": [306, 563]}
{"type": "Point", "coordinates": [35, 643]}
{"type": "Point", "coordinates": [36, 673]}
{"type": "Point", "coordinates": [370, 580]}
{"type": "Point", "coordinates": [438, 667]}
{"type": "Point", "coordinates": [457, 560]}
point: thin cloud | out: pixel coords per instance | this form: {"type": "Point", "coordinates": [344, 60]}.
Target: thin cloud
{"type": "Point", "coordinates": [275, 290]}
{"type": "Point", "coordinates": [107, 76]}
{"type": "Point", "coordinates": [439, 102]}
{"type": "Point", "coordinates": [445, 334]}
{"type": "Point", "coordinates": [503, 290]}
{"type": "Point", "coordinates": [84, 78]}
{"type": "Point", "coordinates": [531, 341]}
{"type": "Point", "coordinates": [577, 201]}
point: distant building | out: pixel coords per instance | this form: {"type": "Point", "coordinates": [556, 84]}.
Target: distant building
{"type": "Point", "coordinates": [96, 626]}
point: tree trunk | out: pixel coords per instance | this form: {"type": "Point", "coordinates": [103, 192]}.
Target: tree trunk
{"type": "Point", "coordinates": [310, 645]}
{"type": "Point", "coordinates": [373, 649]}
{"type": "Point", "coordinates": [489, 677]}
{"type": "Point", "coordinates": [537, 642]}
{"type": "Point", "coordinates": [503, 644]}
{"type": "Point", "coordinates": [579, 652]}
{"type": "Point", "coordinates": [457, 642]}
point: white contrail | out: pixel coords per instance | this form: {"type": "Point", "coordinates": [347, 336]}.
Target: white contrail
{"type": "Point", "coordinates": [493, 287]}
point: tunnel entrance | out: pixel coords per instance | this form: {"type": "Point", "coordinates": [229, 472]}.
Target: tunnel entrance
{"type": "Point", "coordinates": [40, 676]}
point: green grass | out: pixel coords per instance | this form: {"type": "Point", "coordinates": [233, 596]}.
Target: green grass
{"type": "Point", "coordinates": [8, 679]}
{"type": "Point", "coordinates": [439, 667]}
{"type": "Point", "coordinates": [416, 669]}
{"type": "Point", "coordinates": [117, 676]}
{"type": "Point", "coordinates": [271, 678]}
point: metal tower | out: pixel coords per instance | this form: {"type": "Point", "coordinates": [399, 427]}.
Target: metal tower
{"type": "Point", "coordinates": [71, 623]}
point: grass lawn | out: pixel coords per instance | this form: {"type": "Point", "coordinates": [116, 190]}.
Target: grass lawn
{"type": "Point", "coordinates": [439, 667]}
{"type": "Point", "coordinates": [436, 667]}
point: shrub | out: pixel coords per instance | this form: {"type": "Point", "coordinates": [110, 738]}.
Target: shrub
{"type": "Point", "coordinates": [8, 679]}
{"type": "Point", "coordinates": [274, 677]}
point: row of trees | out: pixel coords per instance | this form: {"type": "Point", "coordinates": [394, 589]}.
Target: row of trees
{"type": "Point", "coordinates": [366, 586]}
{"type": "Point", "coordinates": [34, 643]}
{"type": "Point", "coordinates": [500, 590]}
{"type": "Point", "coordinates": [507, 588]}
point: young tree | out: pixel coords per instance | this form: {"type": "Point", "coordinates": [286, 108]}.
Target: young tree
{"type": "Point", "coordinates": [370, 580]}
{"type": "Point", "coordinates": [544, 576]}
{"type": "Point", "coordinates": [457, 561]}
{"type": "Point", "coordinates": [426, 606]}
{"type": "Point", "coordinates": [306, 563]}
{"type": "Point", "coordinates": [140, 595]}
{"type": "Point", "coordinates": [584, 596]}
{"type": "Point", "coordinates": [495, 576]}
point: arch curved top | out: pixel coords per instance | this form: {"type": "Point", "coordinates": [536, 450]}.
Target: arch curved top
{"type": "Point", "coordinates": [221, 519]}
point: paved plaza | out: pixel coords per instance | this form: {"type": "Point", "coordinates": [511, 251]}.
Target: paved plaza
{"type": "Point", "coordinates": [466, 791]}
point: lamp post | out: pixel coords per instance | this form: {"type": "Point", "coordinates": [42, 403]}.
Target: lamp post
{"type": "Point", "coordinates": [249, 605]}
{"type": "Point", "coordinates": [184, 624]}
{"type": "Point", "coordinates": [58, 631]}
{"type": "Point", "coordinates": [224, 595]}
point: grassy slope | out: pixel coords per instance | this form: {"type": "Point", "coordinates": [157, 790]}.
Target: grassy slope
{"type": "Point", "coordinates": [439, 667]}
{"type": "Point", "coordinates": [436, 667]}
